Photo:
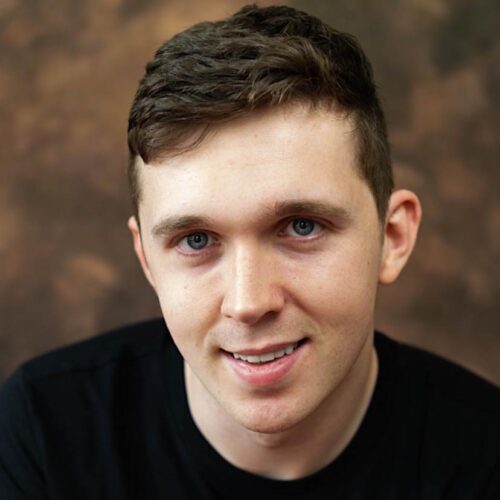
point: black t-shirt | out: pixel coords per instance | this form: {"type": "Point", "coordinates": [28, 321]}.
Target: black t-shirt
{"type": "Point", "coordinates": [108, 419]}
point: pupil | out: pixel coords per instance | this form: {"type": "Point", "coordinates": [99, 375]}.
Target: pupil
{"type": "Point", "coordinates": [303, 226]}
{"type": "Point", "coordinates": [197, 240]}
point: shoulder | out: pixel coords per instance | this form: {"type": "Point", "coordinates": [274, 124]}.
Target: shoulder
{"type": "Point", "coordinates": [449, 413]}
{"type": "Point", "coordinates": [70, 395]}
{"type": "Point", "coordinates": [119, 345]}
{"type": "Point", "coordinates": [450, 416]}
{"type": "Point", "coordinates": [66, 382]}
{"type": "Point", "coordinates": [453, 383]}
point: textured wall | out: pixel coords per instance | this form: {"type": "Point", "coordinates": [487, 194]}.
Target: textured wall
{"type": "Point", "coordinates": [68, 73]}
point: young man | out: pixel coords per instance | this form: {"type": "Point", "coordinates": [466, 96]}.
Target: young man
{"type": "Point", "coordinates": [265, 219]}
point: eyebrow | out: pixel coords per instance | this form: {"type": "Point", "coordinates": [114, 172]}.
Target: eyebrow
{"type": "Point", "coordinates": [173, 223]}
{"type": "Point", "coordinates": [328, 210]}
{"type": "Point", "coordinates": [281, 209]}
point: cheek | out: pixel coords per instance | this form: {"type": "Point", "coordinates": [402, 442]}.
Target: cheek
{"type": "Point", "coordinates": [340, 285]}
{"type": "Point", "coordinates": [189, 310]}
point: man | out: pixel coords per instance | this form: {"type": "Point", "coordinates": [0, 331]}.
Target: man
{"type": "Point", "coordinates": [264, 218]}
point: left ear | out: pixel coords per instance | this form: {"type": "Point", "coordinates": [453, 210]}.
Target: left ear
{"type": "Point", "coordinates": [133, 225]}
{"type": "Point", "coordinates": [400, 233]}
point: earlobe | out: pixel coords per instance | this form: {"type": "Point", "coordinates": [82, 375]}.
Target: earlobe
{"type": "Point", "coordinates": [400, 233]}
{"type": "Point", "coordinates": [139, 249]}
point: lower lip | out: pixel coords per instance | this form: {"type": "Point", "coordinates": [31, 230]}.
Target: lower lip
{"type": "Point", "coordinates": [265, 374]}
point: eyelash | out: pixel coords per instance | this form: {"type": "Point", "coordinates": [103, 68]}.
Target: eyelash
{"type": "Point", "coordinates": [318, 226]}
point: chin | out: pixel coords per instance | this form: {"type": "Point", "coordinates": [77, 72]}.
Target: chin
{"type": "Point", "coordinates": [269, 420]}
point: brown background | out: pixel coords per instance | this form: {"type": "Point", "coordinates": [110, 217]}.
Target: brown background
{"type": "Point", "coordinates": [67, 76]}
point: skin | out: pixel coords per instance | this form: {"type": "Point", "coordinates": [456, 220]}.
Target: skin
{"type": "Point", "coordinates": [258, 282]}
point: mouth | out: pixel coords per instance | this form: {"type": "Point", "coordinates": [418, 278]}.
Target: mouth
{"type": "Point", "coordinates": [266, 355]}
{"type": "Point", "coordinates": [265, 367]}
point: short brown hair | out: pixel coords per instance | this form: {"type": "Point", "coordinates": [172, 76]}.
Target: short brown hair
{"type": "Point", "coordinates": [215, 72]}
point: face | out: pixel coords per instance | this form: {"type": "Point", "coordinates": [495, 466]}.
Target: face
{"type": "Point", "coordinates": [264, 244]}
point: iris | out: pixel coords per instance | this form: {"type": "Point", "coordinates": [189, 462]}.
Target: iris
{"type": "Point", "coordinates": [197, 241]}
{"type": "Point", "coordinates": [303, 227]}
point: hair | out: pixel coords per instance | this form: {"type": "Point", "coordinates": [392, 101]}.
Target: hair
{"type": "Point", "coordinates": [258, 58]}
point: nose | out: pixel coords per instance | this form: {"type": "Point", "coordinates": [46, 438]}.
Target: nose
{"type": "Point", "coordinates": [252, 288]}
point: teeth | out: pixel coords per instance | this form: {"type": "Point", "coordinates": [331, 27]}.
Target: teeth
{"type": "Point", "coordinates": [265, 358]}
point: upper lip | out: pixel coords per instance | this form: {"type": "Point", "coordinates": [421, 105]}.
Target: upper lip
{"type": "Point", "coordinates": [264, 350]}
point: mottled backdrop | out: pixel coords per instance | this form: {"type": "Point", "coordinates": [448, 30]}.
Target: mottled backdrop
{"type": "Point", "coordinates": [68, 71]}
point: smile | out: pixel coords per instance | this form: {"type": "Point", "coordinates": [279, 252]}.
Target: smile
{"type": "Point", "coordinates": [267, 366]}
{"type": "Point", "coordinates": [265, 358]}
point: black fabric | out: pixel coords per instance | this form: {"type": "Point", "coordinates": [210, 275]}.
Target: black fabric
{"type": "Point", "coordinates": [108, 419]}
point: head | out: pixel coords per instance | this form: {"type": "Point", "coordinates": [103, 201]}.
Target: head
{"type": "Point", "coordinates": [261, 178]}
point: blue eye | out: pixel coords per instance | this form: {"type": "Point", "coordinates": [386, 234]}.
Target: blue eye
{"type": "Point", "coordinates": [197, 241]}
{"type": "Point", "coordinates": [303, 227]}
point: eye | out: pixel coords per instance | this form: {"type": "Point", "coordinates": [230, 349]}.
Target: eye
{"type": "Point", "coordinates": [195, 242]}
{"type": "Point", "coordinates": [301, 228]}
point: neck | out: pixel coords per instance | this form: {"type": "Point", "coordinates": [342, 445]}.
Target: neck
{"type": "Point", "coordinates": [301, 450]}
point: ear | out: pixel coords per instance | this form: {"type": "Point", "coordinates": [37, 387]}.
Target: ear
{"type": "Point", "coordinates": [400, 233]}
{"type": "Point", "coordinates": [139, 249]}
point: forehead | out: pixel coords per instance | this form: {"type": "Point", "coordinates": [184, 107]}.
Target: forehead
{"type": "Point", "coordinates": [267, 157]}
